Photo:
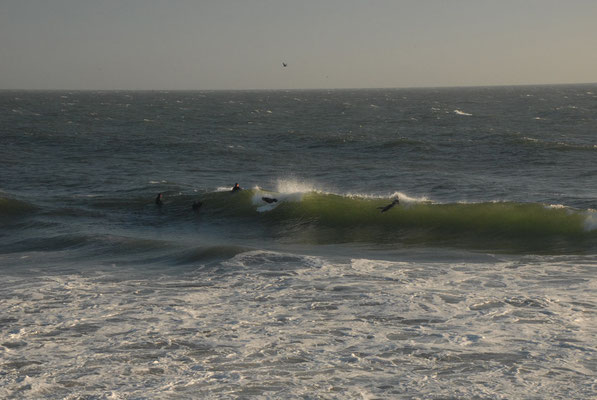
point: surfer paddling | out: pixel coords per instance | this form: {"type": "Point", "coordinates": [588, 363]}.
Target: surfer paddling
{"type": "Point", "coordinates": [392, 204]}
{"type": "Point", "coordinates": [236, 187]}
{"type": "Point", "coordinates": [158, 199]}
{"type": "Point", "coordinates": [269, 200]}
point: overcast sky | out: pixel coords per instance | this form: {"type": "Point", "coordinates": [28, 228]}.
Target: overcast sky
{"type": "Point", "coordinates": [241, 44]}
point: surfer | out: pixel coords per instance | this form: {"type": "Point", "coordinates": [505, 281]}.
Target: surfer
{"type": "Point", "coordinates": [197, 205]}
{"type": "Point", "coordinates": [269, 200]}
{"type": "Point", "coordinates": [236, 187]}
{"type": "Point", "coordinates": [392, 204]}
{"type": "Point", "coordinates": [158, 199]}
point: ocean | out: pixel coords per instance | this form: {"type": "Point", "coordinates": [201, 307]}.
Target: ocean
{"type": "Point", "coordinates": [481, 283]}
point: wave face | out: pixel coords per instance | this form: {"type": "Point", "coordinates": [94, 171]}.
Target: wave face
{"type": "Point", "coordinates": [330, 218]}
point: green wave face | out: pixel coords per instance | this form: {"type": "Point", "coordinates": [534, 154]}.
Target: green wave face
{"type": "Point", "coordinates": [329, 218]}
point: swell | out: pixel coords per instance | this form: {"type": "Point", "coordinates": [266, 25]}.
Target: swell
{"type": "Point", "coordinates": [317, 217]}
{"type": "Point", "coordinates": [107, 249]}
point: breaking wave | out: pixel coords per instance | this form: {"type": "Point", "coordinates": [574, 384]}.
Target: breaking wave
{"type": "Point", "coordinates": [324, 218]}
{"type": "Point", "coordinates": [300, 213]}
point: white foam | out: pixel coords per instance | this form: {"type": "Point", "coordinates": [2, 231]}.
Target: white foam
{"type": "Point", "coordinates": [557, 206]}
{"type": "Point", "coordinates": [268, 324]}
{"type": "Point", "coordinates": [409, 199]}
{"type": "Point", "coordinates": [290, 186]}
{"type": "Point", "coordinates": [400, 195]}
{"type": "Point", "coordinates": [529, 139]}
{"type": "Point", "coordinates": [460, 112]}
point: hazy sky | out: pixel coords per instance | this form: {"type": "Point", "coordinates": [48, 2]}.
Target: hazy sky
{"type": "Point", "coordinates": [240, 44]}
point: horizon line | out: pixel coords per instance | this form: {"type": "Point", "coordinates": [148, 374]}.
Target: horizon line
{"type": "Point", "coordinates": [303, 89]}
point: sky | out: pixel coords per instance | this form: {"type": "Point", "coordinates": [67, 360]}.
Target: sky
{"type": "Point", "coordinates": [241, 44]}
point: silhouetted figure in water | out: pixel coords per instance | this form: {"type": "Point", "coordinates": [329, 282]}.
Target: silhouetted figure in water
{"type": "Point", "coordinates": [158, 199]}
{"type": "Point", "coordinates": [197, 205]}
{"type": "Point", "coordinates": [269, 200]}
{"type": "Point", "coordinates": [392, 204]}
{"type": "Point", "coordinates": [236, 187]}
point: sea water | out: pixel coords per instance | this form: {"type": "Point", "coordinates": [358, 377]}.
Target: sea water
{"type": "Point", "coordinates": [480, 283]}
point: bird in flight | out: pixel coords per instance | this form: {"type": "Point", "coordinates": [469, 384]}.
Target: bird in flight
{"type": "Point", "coordinates": [284, 64]}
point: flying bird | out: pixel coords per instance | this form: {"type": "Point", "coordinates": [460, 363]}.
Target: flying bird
{"type": "Point", "coordinates": [284, 64]}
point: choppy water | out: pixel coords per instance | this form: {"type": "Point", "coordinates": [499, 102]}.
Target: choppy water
{"type": "Point", "coordinates": [479, 284]}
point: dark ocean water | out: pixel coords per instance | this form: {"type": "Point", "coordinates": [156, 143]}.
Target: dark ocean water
{"type": "Point", "coordinates": [484, 273]}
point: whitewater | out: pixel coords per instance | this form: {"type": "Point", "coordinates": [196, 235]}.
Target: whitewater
{"type": "Point", "coordinates": [479, 284]}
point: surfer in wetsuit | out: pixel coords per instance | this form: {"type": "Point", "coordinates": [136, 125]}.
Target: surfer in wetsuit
{"type": "Point", "coordinates": [269, 200]}
{"type": "Point", "coordinates": [392, 204]}
{"type": "Point", "coordinates": [158, 199]}
{"type": "Point", "coordinates": [197, 205]}
{"type": "Point", "coordinates": [236, 187]}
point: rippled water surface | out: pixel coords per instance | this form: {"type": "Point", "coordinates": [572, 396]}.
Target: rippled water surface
{"type": "Point", "coordinates": [479, 283]}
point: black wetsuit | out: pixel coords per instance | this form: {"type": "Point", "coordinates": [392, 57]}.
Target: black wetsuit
{"type": "Point", "coordinates": [392, 204]}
